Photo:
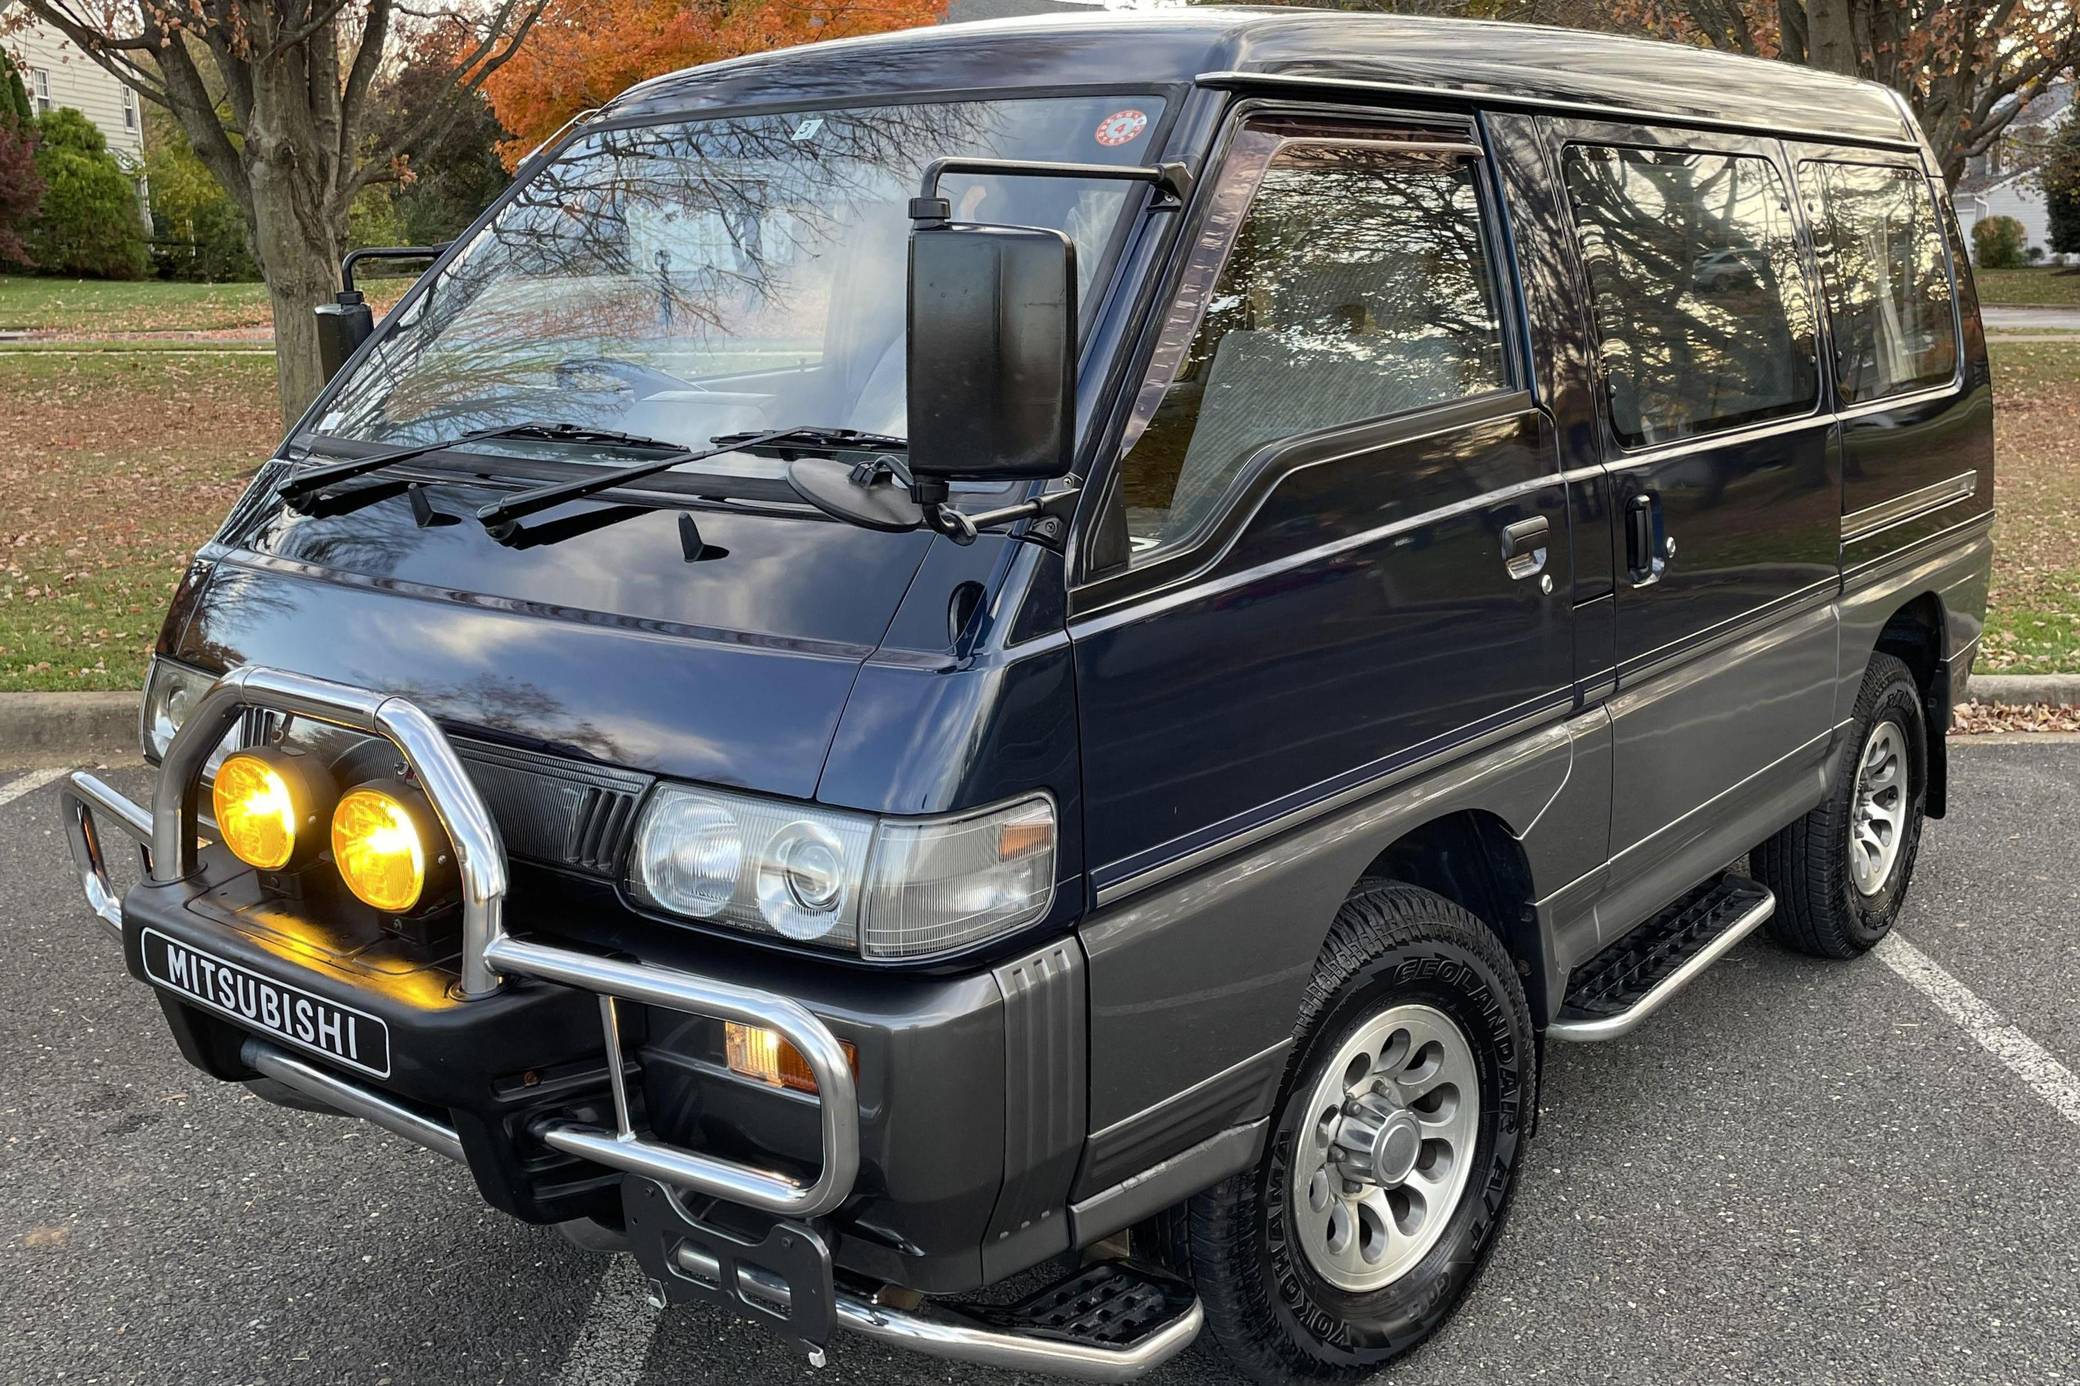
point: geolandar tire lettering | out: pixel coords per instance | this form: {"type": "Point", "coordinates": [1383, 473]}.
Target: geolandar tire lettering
{"type": "Point", "coordinates": [1327, 1266]}
{"type": "Point", "coordinates": [1831, 901]}
{"type": "Point", "coordinates": [340, 1033]}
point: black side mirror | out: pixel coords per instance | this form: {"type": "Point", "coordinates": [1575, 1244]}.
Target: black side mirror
{"type": "Point", "coordinates": [344, 323]}
{"type": "Point", "coordinates": [992, 353]}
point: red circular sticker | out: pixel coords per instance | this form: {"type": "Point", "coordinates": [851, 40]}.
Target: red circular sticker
{"type": "Point", "coordinates": [1122, 127]}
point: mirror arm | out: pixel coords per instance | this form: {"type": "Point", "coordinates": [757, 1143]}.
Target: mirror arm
{"type": "Point", "coordinates": [1051, 510]}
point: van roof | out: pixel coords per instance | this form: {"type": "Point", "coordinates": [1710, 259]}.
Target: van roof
{"type": "Point", "coordinates": [1519, 64]}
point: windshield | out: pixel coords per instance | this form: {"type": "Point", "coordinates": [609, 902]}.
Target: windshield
{"type": "Point", "coordinates": [740, 274]}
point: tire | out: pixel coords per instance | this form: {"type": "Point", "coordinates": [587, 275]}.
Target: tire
{"type": "Point", "coordinates": [1406, 959]}
{"type": "Point", "coordinates": [1829, 905]}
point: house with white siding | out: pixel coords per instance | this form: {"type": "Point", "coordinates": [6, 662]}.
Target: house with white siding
{"type": "Point", "coordinates": [2002, 182]}
{"type": "Point", "coordinates": [57, 73]}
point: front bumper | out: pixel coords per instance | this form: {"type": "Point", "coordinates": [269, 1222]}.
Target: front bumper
{"type": "Point", "coordinates": [570, 1139]}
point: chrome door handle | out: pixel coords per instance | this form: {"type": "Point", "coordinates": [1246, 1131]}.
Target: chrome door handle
{"type": "Point", "coordinates": [1524, 547]}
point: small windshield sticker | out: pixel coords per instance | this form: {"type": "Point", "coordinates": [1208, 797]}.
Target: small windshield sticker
{"type": "Point", "coordinates": [807, 129]}
{"type": "Point", "coordinates": [1121, 127]}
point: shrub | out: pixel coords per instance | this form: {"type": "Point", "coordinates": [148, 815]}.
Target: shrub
{"type": "Point", "coordinates": [89, 222]}
{"type": "Point", "coordinates": [197, 230]}
{"type": "Point", "coordinates": [1997, 243]}
{"type": "Point", "coordinates": [21, 187]}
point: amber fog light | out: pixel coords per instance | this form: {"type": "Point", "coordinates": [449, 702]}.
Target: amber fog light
{"type": "Point", "coordinates": [269, 803]}
{"type": "Point", "coordinates": [759, 1053]}
{"type": "Point", "coordinates": [387, 843]}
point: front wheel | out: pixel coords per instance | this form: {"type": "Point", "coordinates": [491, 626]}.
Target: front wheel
{"type": "Point", "coordinates": [1841, 872]}
{"type": "Point", "coordinates": [1393, 1154]}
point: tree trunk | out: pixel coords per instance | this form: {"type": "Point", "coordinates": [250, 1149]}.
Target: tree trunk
{"type": "Point", "coordinates": [298, 250]}
{"type": "Point", "coordinates": [1831, 37]}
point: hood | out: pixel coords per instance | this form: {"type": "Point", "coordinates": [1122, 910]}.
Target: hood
{"type": "Point", "coordinates": [611, 645]}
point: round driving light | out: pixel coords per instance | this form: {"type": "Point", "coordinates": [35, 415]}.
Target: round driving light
{"type": "Point", "coordinates": [263, 801]}
{"type": "Point", "coordinates": [381, 840]}
{"type": "Point", "coordinates": [802, 881]}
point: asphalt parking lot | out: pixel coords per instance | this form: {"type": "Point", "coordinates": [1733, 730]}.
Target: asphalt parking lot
{"type": "Point", "coordinates": [1798, 1172]}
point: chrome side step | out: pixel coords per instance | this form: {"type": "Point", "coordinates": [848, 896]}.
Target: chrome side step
{"type": "Point", "coordinates": [1012, 1347]}
{"type": "Point", "coordinates": [1612, 993]}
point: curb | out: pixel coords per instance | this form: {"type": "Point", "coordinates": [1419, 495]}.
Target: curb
{"type": "Point", "coordinates": [2026, 690]}
{"type": "Point", "coordinates": [87, 726]}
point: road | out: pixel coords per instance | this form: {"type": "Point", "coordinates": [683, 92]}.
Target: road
{"type": "Point", "coordinates": [1797, 1172]}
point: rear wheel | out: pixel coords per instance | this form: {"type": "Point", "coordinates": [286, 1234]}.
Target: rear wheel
{"type": "Point", "coordinates": [1393, 1154]}
{"type": "Point", "coordinates": [1841, 872]}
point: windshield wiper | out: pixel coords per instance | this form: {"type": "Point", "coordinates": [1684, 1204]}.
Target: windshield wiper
{"type": "Point", "coordinates": [781, 442]}
{"type": "Point", "coordinates": [306, 484]}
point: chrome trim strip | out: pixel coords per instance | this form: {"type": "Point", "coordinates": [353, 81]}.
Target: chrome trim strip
{"type": "Point", "coordinates": [1162, 598]}
{"type": "Point", "coordinates": [962, 1341]}
{"type": "Point", "coordinates": [351, 1099]}
{"type": "Point", "coordinates": [1880, 565]}
{"type": "Point", "coordinates": [1652, 453]}
{"type": "Point", "coordinates": [83, 796]}
{"type": "Point", "coordinates": [1548, 708]}
{"type": "Point", "coordinates": [1612, 1027]}
{"type": "Point", "coordinates": [1225, 1075]}
{"type": "Point", "coordinates": [1928, 394]}
{"type": "Point", "coordinates": [1588, 109]}
{"type": "Point", "coordinates": [1862, 524]}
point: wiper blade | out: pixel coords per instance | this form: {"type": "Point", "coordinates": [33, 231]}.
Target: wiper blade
{"type": "Point", "coordinates": [501, 515]}
{"type": "Point", "coordinates": [790, 442]}
{"type": "Point", "coordinates": [814, 442]}
{"type": "Point", "coordinates": [306, 484]}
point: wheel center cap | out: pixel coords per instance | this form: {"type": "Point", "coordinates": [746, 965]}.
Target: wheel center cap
{"type": "Point", "coordinates": [1378, 1141]}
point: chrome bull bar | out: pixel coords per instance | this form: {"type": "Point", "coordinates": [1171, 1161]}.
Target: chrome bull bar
{"type": "Point", "coordinates": [490, 956]}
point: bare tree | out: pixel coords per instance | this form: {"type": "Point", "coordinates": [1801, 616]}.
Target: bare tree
{"type": "Point", "coordinates": [280, 100]}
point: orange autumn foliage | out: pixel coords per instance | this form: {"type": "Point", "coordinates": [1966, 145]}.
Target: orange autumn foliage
{"type": "Point", "coordinates": [585, 52]}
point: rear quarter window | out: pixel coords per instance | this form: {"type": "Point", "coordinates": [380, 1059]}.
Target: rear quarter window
{"type": "Point", "coordinates": [1703, 315]}
{"type": "Point", "coordinates": [1881, 255]}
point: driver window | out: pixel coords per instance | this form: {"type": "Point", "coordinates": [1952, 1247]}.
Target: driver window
{"type": "Point", "coordinates": [1341, 277]}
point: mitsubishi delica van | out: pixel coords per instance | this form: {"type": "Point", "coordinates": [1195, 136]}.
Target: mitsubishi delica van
{"type": "Point", "coordinates": [1056, 651]}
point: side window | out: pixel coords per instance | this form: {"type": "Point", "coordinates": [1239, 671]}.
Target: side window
{"type": "Point", "coordinates": [1888, 288]}
{"type": "Point", "coordinates": [1703, 314]}
{"type": "Point", "coordinates": [1342, 277]}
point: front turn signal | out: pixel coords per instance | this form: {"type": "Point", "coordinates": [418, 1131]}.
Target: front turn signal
{"type": "Point", "coordinates": [758, 1053]}
{"type": "Point", "coordinates": [384, 841]}
{"type": "Point", "coordinates": [268, 805]}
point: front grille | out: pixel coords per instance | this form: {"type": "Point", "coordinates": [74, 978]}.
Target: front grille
{"type": "Point", "coordinates": [549, 810]}
{"type": "Point", "coordinates": [556, 811]}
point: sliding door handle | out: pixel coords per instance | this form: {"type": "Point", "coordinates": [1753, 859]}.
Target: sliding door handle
{"type": "Point", "coordinates": [1524, 547]}
{"type": "Point", "coordinates": [1646, 554]}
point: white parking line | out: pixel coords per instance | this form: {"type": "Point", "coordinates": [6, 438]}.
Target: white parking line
{"type": "Point", "coordinates": [2024, 1057]}
{"type": "Point", "coordinates": [614, 1341]}
{"type": "Point", "coordinates": [28, 784]}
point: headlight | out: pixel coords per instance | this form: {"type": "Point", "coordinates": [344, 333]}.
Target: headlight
{"type": "Point", "coordinates": [269, 804]}
{"type": "Point", "coordinates": [171, 692]}
{"type": "Point", "coordinates": [886, 888]}
{"type": "Point", "coordinates": [386, 842]}
{"type": "Point", "coordinates": [758, 864]}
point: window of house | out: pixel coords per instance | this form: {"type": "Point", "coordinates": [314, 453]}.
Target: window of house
{"type": "Point", "coordinates": [1888, 286]}
{"type": "Point", "coordinates": [129, 109]}
{"type": "Point", "coordinates": [43, 91]}
{"type": "Point", "coordinates": [1340, 278]}
{"type": "Point", "coordinates": [1703, 314]}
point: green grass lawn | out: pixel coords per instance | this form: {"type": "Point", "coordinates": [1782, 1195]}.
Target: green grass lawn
{"type": "Point", "coordinates": [2038, 288]}
{"type": "Point", "coordinates": [35, 303]}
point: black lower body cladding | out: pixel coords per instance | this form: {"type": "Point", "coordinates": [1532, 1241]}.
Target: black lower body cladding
{"type": "Point", "coordinates": [964, 1174]}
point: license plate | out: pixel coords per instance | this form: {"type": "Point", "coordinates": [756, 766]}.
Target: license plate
{"type": "Point", "coordinates": [340, 1033]}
